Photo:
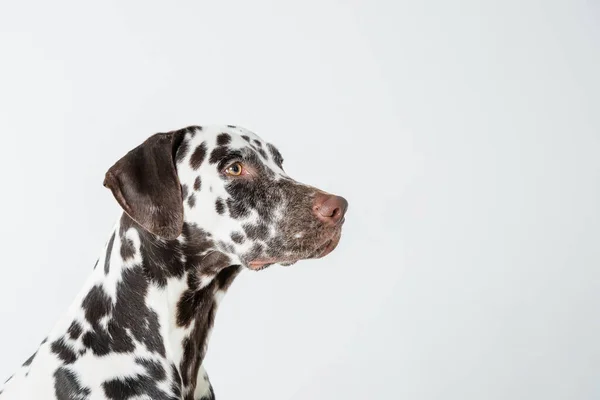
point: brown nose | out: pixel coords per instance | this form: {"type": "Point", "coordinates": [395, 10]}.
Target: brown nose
{"type": "Point", "coordinates": [330, 209]}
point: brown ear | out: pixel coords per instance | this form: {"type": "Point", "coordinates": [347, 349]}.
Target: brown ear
{"type": "Point", "coordinates": [146, 185]}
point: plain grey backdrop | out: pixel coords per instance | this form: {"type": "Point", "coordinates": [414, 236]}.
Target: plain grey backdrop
{"type": "Point", "coordinates": [465, 134]}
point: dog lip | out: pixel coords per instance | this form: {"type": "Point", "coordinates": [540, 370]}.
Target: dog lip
{"type": "Point", "coordinates": [257, 265]}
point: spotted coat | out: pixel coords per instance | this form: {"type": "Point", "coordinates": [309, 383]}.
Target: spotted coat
{"type": "Point", "coordinates": [199, 205]}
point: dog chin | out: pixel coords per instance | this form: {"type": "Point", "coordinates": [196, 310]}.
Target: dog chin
{"type": "Point", "coordinates": [320, 252]}
{"type": "Point", "coordinates": [287, 263]}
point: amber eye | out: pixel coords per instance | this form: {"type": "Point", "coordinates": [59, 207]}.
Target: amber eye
{"type": "Point", "coordinates": [235, 169]}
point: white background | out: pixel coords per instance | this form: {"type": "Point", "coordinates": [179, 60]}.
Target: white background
{"type": "Point", "coordinates": [465, 134]}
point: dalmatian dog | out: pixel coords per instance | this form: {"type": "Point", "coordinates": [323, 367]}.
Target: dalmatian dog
{"type": "Point", "coordinates": [200, 205]}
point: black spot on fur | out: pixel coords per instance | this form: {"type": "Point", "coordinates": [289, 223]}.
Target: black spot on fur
{"type": "Point", "coordinates": [262, 153]}
{"type": "Point", "coordinates": [127, 248]}
{"type": "Point", "coordinates": [182, 151]}
{"type": "Point", "coordinates": [231, 126]}
{"type": "Point", "coordinates": [192, 130]}
{"type": "Point", "coordinates": [109, 248]}
{"type": "Point", "coordinates": [153, 368]}
{"type": "Point", "coordinates": [237, 237]}
{"type": "Point", "coordinates": [96, 304]}
{"type": "Point", "coordinates": [175, 382]}
{"type": "Point", "coordinates": [223, 139]}
{"type": "Point", "coordinates": [257, 142]}
{"type": "Point", "coordinates": [217, 154]}
{"type": "Point", "coordinates": [197, 183]}
{"type": "Point", "coordinates": [98, 341]}
{"type": "Point", "coordinates": [246, 138]}
{"type": "Point", "coordinates": [75, 330]}
{"type": "Point", "coordinates": [184, 191]}
{"type": "Point", "coordinates": [134, 386]}
{"type": "Point", "coordinates": [192, 200]}
{"type": "Point", "coordinates": [64, 352]}
{"type": "Point", "coordinates": [29, 360]}
{"type": "Point", "coordinates": [68, 387]}
{"type": "Point", "coordinates": [277, 158]}
{"type": "Point", "coordinates": [120, 340]}
{"type": "Point", "coordinates": [198, 156]}
{"type": "Point", "coordinates": [220, 206]}
{"type": "Point", "coordinates": [122, 388]}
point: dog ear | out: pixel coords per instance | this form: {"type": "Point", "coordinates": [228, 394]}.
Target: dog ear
{"type": "Point", "coordinates": [145, 183]}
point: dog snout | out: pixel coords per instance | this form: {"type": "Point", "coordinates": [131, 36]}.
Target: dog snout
{"type": "Point", "coordinates": [330, 209]}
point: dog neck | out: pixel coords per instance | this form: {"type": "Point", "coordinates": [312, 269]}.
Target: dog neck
{"type": "Point", "coordinates": [149, 297]}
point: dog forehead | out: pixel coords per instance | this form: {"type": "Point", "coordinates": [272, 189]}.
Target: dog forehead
{"type": "Point", "coordinates": [225, 138]}
{"type": "Point", "coordinates": [225, 135]}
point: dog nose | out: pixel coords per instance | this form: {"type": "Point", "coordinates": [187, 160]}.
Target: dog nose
{"type": "Point", "coordinates": [329, 208]}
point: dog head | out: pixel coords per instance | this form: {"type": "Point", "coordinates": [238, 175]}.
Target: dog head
{"type": "Point", "coordinates": [229, 183]}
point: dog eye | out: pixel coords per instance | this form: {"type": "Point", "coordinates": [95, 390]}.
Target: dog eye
{"type": "Point", "coordinates": [235, 169]}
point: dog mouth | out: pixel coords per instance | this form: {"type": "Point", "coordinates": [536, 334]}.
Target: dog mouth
{"type": "Point", "coordinates": [321, 251]}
